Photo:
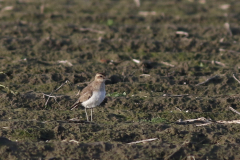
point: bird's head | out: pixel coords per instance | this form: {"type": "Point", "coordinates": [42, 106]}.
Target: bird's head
{"type": "Point", "coordinates": [100, 77]}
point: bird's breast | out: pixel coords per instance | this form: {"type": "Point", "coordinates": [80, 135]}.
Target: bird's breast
{"type": "Point", "coordinates": [95, 100]}
{"type": "Point", "coordinates": [100, 95]}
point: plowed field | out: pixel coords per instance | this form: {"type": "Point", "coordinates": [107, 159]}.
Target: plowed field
{"type": "Point", "coordinates": [169, 61]}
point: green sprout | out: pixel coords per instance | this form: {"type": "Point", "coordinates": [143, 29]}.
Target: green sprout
{"type": "Point", "coordinates": [109, 22]}
{"type": "Point", "coordinates": [116, 94]}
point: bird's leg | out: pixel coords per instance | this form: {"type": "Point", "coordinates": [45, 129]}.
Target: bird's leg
{"type": "Point", "coordinates": [86, 113]}
{"type": "Point", "coordinates": [91, 113]}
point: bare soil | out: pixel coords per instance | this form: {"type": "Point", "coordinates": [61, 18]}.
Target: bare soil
{"type": "Point", "coordinates": [44, 43]}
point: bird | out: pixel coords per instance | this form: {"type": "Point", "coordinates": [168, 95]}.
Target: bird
{"type": "Point", "coordinates": [92, 95]}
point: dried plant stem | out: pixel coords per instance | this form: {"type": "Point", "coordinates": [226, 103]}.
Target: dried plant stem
{"type": "Point", "coordinates": [227, 26]}
{"type": "Point", "coordinates": [50, 96]}
{"type": "Point", "coordinates": [177, 149]}
{"type": "Point", "coordinates": [181, 95]}
{"type": "Point", "coordinates": [236, 78]}
{"type": "Point", "coordinates": [229, 122]}
{"type": "Point", "coordinates": [198, 120]}
{"type": "Point", "coordinates": [74, 141]}
{"type": "Point", "coordinates": [137, 2]}
{"type": "Point", "coordinates": [182, 33]}
{"type": "Point", "coordinates": [178, 109]}
{"type": "Point", "coordinates": [206, 80]}
{"type": "Point", "coordinates": [221, 122]}
{"type": "Point", "coordinates": [214, 62]}
{"type": "Point", "coordinates": [143, 141]}
{"type": "Point", "coordinates": [91, 30]}
{"type": "Point", "coordinates": [144, 75]}
{"type": "Point", "coordinates": [204, 124]}
{"type": "Point", "coordinates": [220, 63]}
{"type": "Point", "coordinates": [167, 64]}
{"type": "Point", "coordinates": [42, 8]}
{"type": "Point", "coordinates": [234, 110]}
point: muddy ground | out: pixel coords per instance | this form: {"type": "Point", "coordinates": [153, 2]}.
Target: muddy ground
{"type": "Point", "coordinates": [44, 43]}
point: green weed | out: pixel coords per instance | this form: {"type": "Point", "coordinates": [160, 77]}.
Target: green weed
{"type": "Point", "coordinates": [110, 22]}
{"type": "Point", "coordinates": [116, 94]}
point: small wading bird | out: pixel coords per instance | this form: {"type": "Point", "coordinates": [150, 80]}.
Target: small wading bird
{"type": "Point", "coordinates": [92, 95]}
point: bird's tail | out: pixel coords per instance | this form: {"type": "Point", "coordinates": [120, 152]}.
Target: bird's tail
{"type": "Point", "coordinates": [75, 105]}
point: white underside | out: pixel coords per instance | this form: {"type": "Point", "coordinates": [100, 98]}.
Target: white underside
{"type": "Point", "coordinates": [95, 100]}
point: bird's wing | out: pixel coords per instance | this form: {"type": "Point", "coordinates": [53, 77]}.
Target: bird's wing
{"type": "Point", "coordinates": [84, 95]}
{"type": "Point", "coordinates": [75, 105]}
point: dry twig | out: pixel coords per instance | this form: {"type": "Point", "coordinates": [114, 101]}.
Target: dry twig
{"type": "Point", "coordinates": [74, 141]}
{"type": "Point", "coordinates": [143, 141]}
{"type": "Point", "coordinates": [234, 110]}
{"type": "Point", "coordinates": [136, 61]}
{"type": "Point", "coordinates": [66, 62]}
{"type": "Point", "coordinates": [198, 120]}
{"type": "Point", "coordinates": [229, 122]}
{"type": "Point", "coordinates": [167, 64]}
{"type": "Point", "coordinates": [144, 75]}
{"type": "Point", "coordinates": [221, 122]}
{"type": "Point", "coordinates": [214, 62]}
{"type": "Point", "coordinates": [137, 2]}
{"type": "Point", "coordinates": [182, 33]}
{"type": "Point", "coordinates": [230, 51]}
{"type": "Point", "coordinates": [146, 13]}
{"type": "Point", "coordinates": [178, 149]}
{"type": "Point", "coordinates": [236, 78]}
{"type": "Point", "coordinates": [42, 8]}
{"type": "Point", "coordinates": [204, 124]}
{"type": "Point", "coordinates": [54, 97]}
{"type": "Point", "coordinates": [227, 27]}
{"type": "Point", "coordinates": [224, 6]}
{"type": "Point", "coordinates": [207, 122]}
{"type": "Point", "coordinates": [220, 63]}
{"type": "Point", "coordinates": [7, 8]}
{"type": "Point", "coordinates": [178, 109]}
{"type": "Point", "coordinates": [181, 95]}
{"type": "Point", "coordinates": [50, 96]}
{"type": "Point", "coordinates": [206, 80]}
{"type": "Point", "coordinates": [91, 30]}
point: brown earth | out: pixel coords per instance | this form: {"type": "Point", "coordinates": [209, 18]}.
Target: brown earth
{"type": "Point", "coordinates": [105, 36]}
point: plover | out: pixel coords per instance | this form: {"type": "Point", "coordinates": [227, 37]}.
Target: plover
{"type": "Point", "coordinates": [92, 95]}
